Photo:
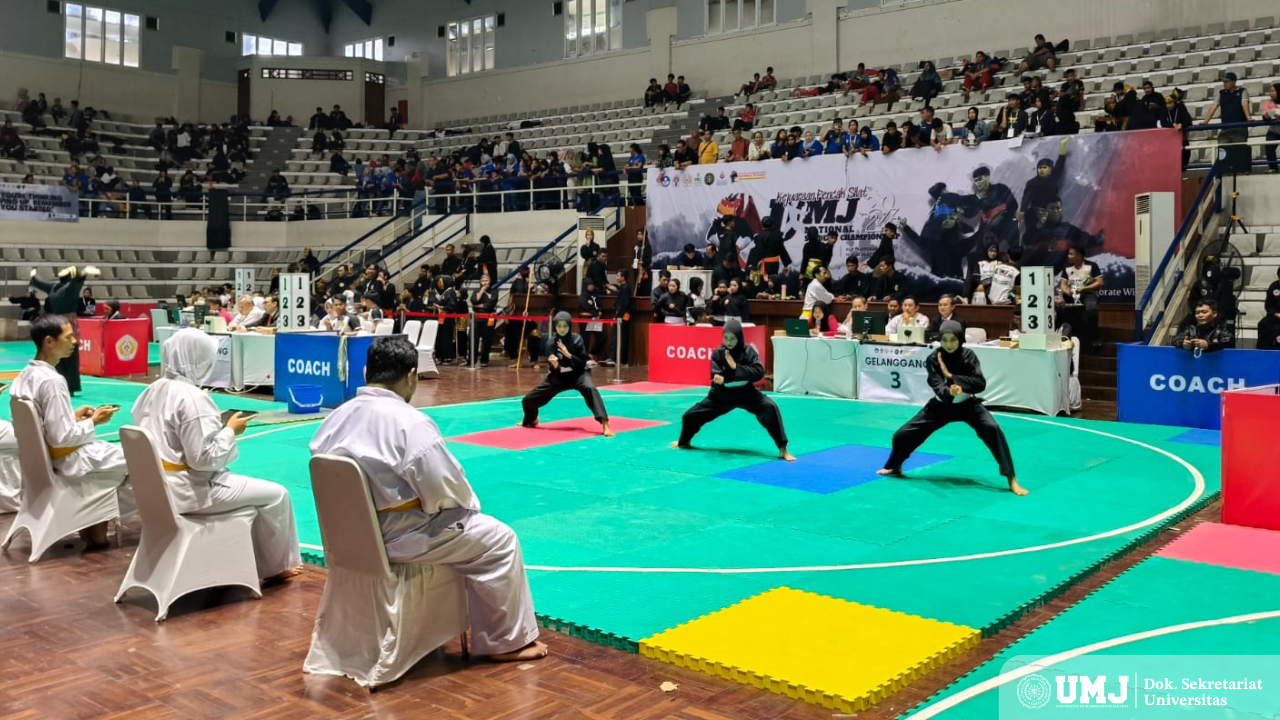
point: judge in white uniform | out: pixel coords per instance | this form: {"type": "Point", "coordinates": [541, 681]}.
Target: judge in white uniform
{"type": "Point", "coordinates": [248, 315]}
{"type": "Point", "coordinates": [70, 434]}
{"type": "Point", "coordinates": [817, 292]}
{"type": "Point", "coordinates": [196, 448]}
{"type": "Point", "coordinates": [910, 317]}
{"type": "Point", "coordinates": [426, 508]}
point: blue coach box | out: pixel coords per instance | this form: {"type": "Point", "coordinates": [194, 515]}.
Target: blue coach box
{"type": "Point", "coordinates": [1170, 386]}
{"type": "Point", "coordinates": [326, 359]}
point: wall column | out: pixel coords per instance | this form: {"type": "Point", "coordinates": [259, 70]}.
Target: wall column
{"type": "Point", "coordinates": [661, 23]}
{"type": "Point", "coordinates": [188, 64]}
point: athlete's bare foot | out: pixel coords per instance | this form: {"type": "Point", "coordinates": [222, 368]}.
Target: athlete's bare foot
{"type": "Point", "coordinates": [608, 431]}
{"type": "Point", "coordinates": [678, 446]}
{"type": "Point", "coordinates": [522, 424]}
{"type": "Point", "coordinates": [895, 472]}
{"type": "Point", "coordinates": [281, 577]}
{"type": "Point", "coordinates": [783, 454]}
{"type": "Point", "coordinates": [1016, 488]}
{"type": "Point", "coordinates": [533, 651]}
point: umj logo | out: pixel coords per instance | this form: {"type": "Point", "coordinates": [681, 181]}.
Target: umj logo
{"type": "Point", "coordinates": [1034, 691]}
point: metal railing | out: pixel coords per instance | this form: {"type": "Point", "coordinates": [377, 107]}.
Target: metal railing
{"type": "Point", "coordinates": [1182, 252]}
{"type": "Point", "coordinates": [1219, 144]}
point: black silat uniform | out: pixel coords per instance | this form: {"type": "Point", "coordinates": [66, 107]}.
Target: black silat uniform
{"type": "Point", "coordinates": [571, 375]}
{"type": "Point", "coordinates": [63, 299]}
{"type": "Point", "coordinates": [738, 392]}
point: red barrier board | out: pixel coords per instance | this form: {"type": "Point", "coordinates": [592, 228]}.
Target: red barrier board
{"type": "Point", "coordinates": [110, 348]}
{"type": "Point", "coordinates": [682, 355]}
{"type": "Point", "coordinates": [1250, 471]}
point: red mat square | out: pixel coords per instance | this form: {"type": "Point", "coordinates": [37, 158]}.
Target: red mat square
{"type": "Point", "coordinates": [1233, 546]}
{"type": "Point", "coordinates": [552, 433]}
{"type": "Point", "coordinates": [651, 387]}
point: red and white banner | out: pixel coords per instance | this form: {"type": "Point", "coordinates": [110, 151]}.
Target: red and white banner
{"type": "Point", "coordinates": [681, 355]}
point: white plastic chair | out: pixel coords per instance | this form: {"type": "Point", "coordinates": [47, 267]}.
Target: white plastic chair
{"type": "Point", "coordinates": [383, 327]}
{"type": "Point", "coordinates": [1075, 398]}
{"type": "Point", "coordinates": [366, 326]}
{"type": "Point", "coordinates": [376, 620]}
{"type": "Point", "coordinates": [180, 554]}
{"type": "Point", "coordinates": [51, 508]}
{"type": "Point", "coordinates": [412, 329]}
{"type": "Point", "coordinates": [975, 336]}
{"type": "Point", "coordinates": [427, 347]}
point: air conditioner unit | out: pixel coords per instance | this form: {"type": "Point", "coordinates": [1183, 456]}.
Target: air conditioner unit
{"type": "Point", "coordinates": [1154, 218]}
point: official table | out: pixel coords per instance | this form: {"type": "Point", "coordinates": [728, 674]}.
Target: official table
{"type": "Point", "coordinates": [1033, 380]}
{"type": "Point", "coordinates": [243, 360]}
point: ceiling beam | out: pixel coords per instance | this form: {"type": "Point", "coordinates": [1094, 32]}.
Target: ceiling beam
{"type": "Point", "coordinates": [324, 8]}
{"type": "Point", "coordinates": [362, 8]}
{"type": "Point", "coordinates": [265, 7]}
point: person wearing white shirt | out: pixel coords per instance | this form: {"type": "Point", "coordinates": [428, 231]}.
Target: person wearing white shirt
{"type": "Point", "coordinates": [338, 320]}
{"type": "Point", "coordinates": [817, 292]}
{"type": "Point", "coordinates": [248, 315]}
{"type": "Point", "coordinates": [195, 449]}
{"type": "Point", "coordinates": [76, 453]}
{"type": "Point", "coordinates": [427, 510]}
{"type": "Point", "coordinates": [910, 317]}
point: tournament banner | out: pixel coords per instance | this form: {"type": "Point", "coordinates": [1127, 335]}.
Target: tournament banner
{"type": "Point", "coordinates": [893, 373]}
{"type": "Point", "coordinates": [56, 203]}
{"type": "Point", "coordinates": [1171, 386]}
{"type": "Point", "coordinates": [1041, 194]}
{"type": "Point", "coordinates": [681, 355]}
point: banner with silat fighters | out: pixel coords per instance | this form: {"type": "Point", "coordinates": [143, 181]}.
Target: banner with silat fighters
{"type": "Point", "coordinates": [1042, 195]}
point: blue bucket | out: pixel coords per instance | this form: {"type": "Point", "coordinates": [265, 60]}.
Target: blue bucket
{"type": "Point", "coordinates": [304, 399]}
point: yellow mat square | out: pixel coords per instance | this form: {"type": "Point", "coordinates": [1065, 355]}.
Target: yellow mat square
{"type": "Point", "coordinates": [822, 650]}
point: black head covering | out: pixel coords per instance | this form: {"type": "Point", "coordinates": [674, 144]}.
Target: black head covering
{"type": "Point", "coordinates": [735, 326]}
{"type": "Point", "coordinates": [953, 327]}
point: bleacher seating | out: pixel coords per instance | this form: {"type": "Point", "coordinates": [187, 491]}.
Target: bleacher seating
{"type": "Point", "coordinates": [1260, 248]}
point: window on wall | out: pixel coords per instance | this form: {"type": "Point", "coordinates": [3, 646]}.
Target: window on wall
{"type": "Point", "coordinates": [367, 49]}
{"type": "Point", "coordinates": [258, 45]}
{"type": "Point", "coordinates": [470, 45]}
{"type": "Point", "coordinates": [732, 15]}
{"type": "Point", "coordinates": [592, 26]}
{"type": "Point", "coordinates": [101, 35]}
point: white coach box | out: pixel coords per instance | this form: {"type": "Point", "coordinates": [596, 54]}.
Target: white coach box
{"type": "Point", "coordinates": [295, 302]}
{"type": "Point", "coordinates": [1038, 331]}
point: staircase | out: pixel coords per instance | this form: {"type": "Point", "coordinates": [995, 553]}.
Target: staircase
{"type": "Point", "coordinates": [272, 154]}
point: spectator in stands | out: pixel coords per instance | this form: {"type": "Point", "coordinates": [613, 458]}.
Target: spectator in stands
{"type": "Point", "coordinates": [758, 150]}
{"type": "Point", "coordinates": [1205, 332]}
{"type": "Point", "coordinates": [1233, 101]}
{"type": "Point", "coordinates": [975, 128]}
{"type": "Point", "coordinates": [746, 118]}
{"type": "Point", "coordinates": [711, 123]}
{"type": "Point", "coordinates": [28, 179]}
{"type": "Point", "coordinates": [339, 164]}
{"type": "Point", "coordinates": [670, 91]}
{"type": "Point", "coordinates": [338, 119]}
{"type": "Point", "coordinates": [778, 150]}
{"type": "Point", "coordinates": [834, 138]}
{"type": "Point", "coordinates": [162, 187]}
{"type": "Point", "coordinates": [1012, 119]}
{"type": "Point", "coordinates": [86, 306]}
{"type": "Point", "coordinates": [750, 87]}
{"type": "Point", "coordinates": [28, 304]}
{"type": "Point", "coordinates": [1041, 57]}
{"type": "Point", "coordinates": [277, 186]}
{"type": "Point", "coordinates": [56, 111]}
{"type": "Point", "coordinates": [1070, 101]}
{"type": "Point", "coordinates": [653, 95]}
{"type": "Point", "coordinates": [683, 92]}
{"type": "Point", "coordinates": [810, 147]}
{"type": "Point", "coordinates": [795, 145]}
{"type": "Point", "coordinates": [831, 86]}
{"type": "Point", "coordinates": [892, 139]}
{"type": "Point", "coordinates": [319, 120]}
{"type": "Point", "coordinates": [1040, 119]}
{"type": "Point", "coordinates": [1270, 114]}
{"type": "Point", "coordinates": [394, 122]}
{"type": "Point", "coordinates": [738, 147]}
{"type": "Point", "coordinates": [137, 197]}
{"type": "Point", "coordinates": [685, 156]}
{"type": "Point", "coordinates": [11, 144]}
{"type": "Point", "coordinates": [928, 85]}
{"type": "Point", "coordinates": [858, 79]}
{"type": "Point", "coordinates": [977, 75]}
{"type": "Point", "coordinates": [933, 131]}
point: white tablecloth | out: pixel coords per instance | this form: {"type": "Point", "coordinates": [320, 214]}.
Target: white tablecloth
{"type": "Point", "coordinates": [244, 359]}
{"type": "Point", "coordinates": [1034, 380]}
{"type": "Point", "coordinates": [815, 366]}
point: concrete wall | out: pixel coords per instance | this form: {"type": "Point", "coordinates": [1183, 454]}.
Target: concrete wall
{"type": "Point", "coordinates": [181, 234]}
{"type": "Point", "coordinates": [300, 98]}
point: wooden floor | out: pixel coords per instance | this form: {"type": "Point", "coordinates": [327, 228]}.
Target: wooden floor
{"type": "Point", "coordinates": [67, 652]}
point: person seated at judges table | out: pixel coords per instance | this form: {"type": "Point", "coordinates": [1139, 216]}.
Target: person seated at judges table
{"type": "Point", "coordinates": [858, 304]}
{"type": "Point", "coordinates": [817, 292]}
{"type": "Point", "coordinates": [427, 511]}
{"type": "Point", "coordinates": [1205, 332]}
{"type": "Point", "coordinates": [946, 313]}
{"type": "Point", "coordinates": [673, 305]}
{"type": "Point", "coordinates": [76, 453]}
{"type": "Point", "coordinates": [196, 447]}
{"type": "Point", "coordinates": [248, 315]}
{"type": "Point", "coordinates": [338, 320]}
{"type": "Point", "coordinates": [213, 305]}
{"type": "Point", "coordinates": [821, 320]}
{"type": "Point", "coordinates": [910, 316]}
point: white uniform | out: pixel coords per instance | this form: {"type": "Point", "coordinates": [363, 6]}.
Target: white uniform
{"type": "Point", "coordinates": [252, 320]}
{"type": "Point", "coordinates": [404, 458]}
{"type": "Point", "coordinates": [93, 461]}
{"type": "Point", "coordinates": [816, 293]}
{"type": "Point", "coordinates": [10, 473]}
{"type": "Point", "coordinates": [897, 321]}
{"type": "Point", "coordinates": [189, 434]}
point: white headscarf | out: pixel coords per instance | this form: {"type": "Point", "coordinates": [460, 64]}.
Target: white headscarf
{"type": "Point", "coordinates": [257, 302]}
{"type": "Point", "coordinates": [189, 355]}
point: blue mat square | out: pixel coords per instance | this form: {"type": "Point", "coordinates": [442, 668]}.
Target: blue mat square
{"type": "Point", "coordinates": [828, 471]}
{"type": "Point", "coordinates": [1199, 437]}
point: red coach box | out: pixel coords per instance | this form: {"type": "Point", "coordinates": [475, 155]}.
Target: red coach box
{"type": "Point", "coordinates": [1250, 458]}
{"type": "Point", "coordinates": [131, 311]}
{"type": "Point", "coordinates": [681, 355]}
{"type": "Point", "coordinates": [110, 348]}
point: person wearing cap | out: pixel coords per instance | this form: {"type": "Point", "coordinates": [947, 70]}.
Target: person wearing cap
{"type": "Point", "coordinates": [1012, 119]}
{"type": "Point", "coordinates": [1233, 101]}
{"type": "Point", "coordinates": [955, 376]}
{"type": "Point", "coordinates": [735, 369]}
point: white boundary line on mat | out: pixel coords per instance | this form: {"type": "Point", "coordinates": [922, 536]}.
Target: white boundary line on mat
{"type": "Point", "coordinates": [990, 684]}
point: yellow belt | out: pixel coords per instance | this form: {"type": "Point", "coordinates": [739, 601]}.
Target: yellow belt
{"type": "Point", "coordinates": [414, 504]}
{"type": "Point", "coordinates": [58, 453]}
{"type": "Point", "coordinates": [171, 467]}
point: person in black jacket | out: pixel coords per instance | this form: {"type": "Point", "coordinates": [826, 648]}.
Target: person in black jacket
{"type": "Point", "coordinates": [488, 258]}
{"type": "Point", "coordinates": [567, 359]}
{"type": "Point", "coordinates": [622, 310]}
{"type": "Point", "coordinates": [672, 305]}
{"type": "Point", "coordinates": [817, 252]}
{"type": "Point", "coordinates": [589, 309]}
{"type": "Point", "coordinates": [484, 301]}
{"type": "Point", "coordinates": [444, 299]}
{"type": "Point", "coordinates": [955, 376]}
{"type": "Point", "coordinates": [62, 298]}
{"type": "Point", "coordinates": [1269, 325]}
{"type": "Point", "coordinates": [946, 314]}
{"type": "Point", "coordinates": [1205, 333]}
{"type": "Point", "coordinates": [29, 305]}
{"type": "Point", "coordinates": [735, 369]}
{"type": "Point", "coordinates": [769, 251]}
